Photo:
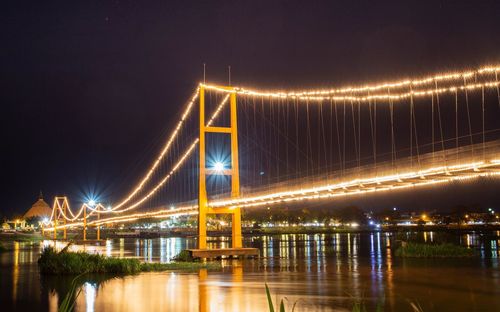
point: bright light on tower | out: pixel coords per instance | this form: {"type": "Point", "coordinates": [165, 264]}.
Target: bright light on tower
{"type": "Point", "coordinates": [219, 166]}
{"type": "Point", "coordinates": [91, 203]}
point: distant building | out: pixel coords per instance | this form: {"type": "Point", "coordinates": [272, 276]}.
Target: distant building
{"type": "Point", "coordinates": [39, 209]}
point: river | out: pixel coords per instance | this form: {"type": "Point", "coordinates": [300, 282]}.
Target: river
{"type": "Point", "coordinates": [317, 272]}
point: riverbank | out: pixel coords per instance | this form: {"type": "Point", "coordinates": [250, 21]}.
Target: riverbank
{"type": "Point", "coordinates": [369, 228]}
{"type": "Point", "coordinates": [65, 262]}
{"type": "Point", "coordinates": [191, 232]}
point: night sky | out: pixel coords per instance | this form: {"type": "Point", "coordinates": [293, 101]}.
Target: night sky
{"type": "Point", "coordinates": [90, 89]}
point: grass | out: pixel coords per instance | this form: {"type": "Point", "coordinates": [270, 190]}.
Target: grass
{"type": "Point", "coordinates": [184, 256]}
{"type": "Point", "coordinates": [420, 250]}
{"type": "Point", "coordinates": [69, 301]}
{"type": "Point", "coordinates": [64, 262]}
{"type": "Point", "coordinates": [270, 302]}
{"type": "Point", "coordinates": [358, 305]}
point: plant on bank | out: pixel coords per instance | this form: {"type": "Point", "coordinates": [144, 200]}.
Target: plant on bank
{"type": "Point", "coordinates": [183, 256]}
{"type": "Point", "coordinates": [69, 300]}
{"type": "Point", "coordinates": [270, 302]}
{"type": "Point", "coordinates": [419, 250]}
{"type": "Point", "coordinates": [65, 262]}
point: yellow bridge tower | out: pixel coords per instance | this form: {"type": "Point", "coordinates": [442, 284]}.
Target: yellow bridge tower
{"type": "Point", "coordinates": [203, 207]}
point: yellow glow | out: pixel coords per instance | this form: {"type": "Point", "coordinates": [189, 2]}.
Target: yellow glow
{"type": "Point", "coordinates": [328, 93]}
{"type": "Point", "coordinates": [366, 185]}
{"type": "Point", "coordinates": [362, 98]}
{"type": "Point", "coordinates": [321, 192]}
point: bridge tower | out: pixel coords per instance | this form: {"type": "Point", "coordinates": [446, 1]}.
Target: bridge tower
{"type": "Point", "coordinates": [60, 208]}
{"type": "Point", "coordinates": [203, 208]}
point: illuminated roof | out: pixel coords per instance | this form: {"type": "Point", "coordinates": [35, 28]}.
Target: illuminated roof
{"type": "Point", "coordinates": [39, 209]}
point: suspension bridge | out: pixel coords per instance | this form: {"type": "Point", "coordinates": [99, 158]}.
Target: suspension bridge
{"type": "Point", "coordinates": [235, 148]}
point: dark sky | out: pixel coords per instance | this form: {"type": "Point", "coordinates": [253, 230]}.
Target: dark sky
{"type": "Point", "coordinates": [89, 89]}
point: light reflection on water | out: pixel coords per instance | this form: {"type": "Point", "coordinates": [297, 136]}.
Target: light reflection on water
{"type": "Point", "coordinates": [356, 265]}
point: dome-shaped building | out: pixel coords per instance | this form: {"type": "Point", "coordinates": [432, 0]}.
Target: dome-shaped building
{"type": "Point", "coordinates": [39, 209]}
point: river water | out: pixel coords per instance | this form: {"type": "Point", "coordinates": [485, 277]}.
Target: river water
{"type": "Point", "coordinates": [317, 272]}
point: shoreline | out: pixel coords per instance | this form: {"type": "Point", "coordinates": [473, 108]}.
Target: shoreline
{"type": "Point", "coordinates": [188, 233]}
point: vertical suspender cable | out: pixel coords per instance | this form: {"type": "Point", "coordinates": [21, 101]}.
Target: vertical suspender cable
{"type": "Point", "coordinates": [331, 135]}
{"type": "Point", "coordinates": [308, 140]}
{"type": "Point", "coordinates": [393, 144]}
{"type": "Point", "coordinates": [287, 135]}
{"type": "Point", "coordinates": [371, 129]}
{"type": "Point", "coordinates": [297, 157]}
{"type": "Point", "coordinates": [498, 89]}
{"type": "Point", "coordinates": [432, 121]}
{"type": "Point", "coordinates": [411, 126]}
{"type": "Point", "coordinates": [468, 116]}
{"type": "Point", "coordinates": [482, 121]}
{"type": "Point", "coordinates": [319, 138]}
{"type": "Point", "coordinates": [343, 142]}
{"type": "Point", "coordinates": [375, 132]}
{"type": "Point", "coordinates": [338, 138]}
{"type": "Point", "coordinates": [440, 123]}
{"type": "Point", "coordinates": [354, 132]}
{"type": "Point", "coordinates": [415, 129]}
{"type": "Point", "coordinates": [359, 134]}
{"type": "Point", "coordinates": [323, 134]}
{"type": "Point", "coordinates": [456, 122]}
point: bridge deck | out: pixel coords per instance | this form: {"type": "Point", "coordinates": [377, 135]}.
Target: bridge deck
{"type": "Point", "coordinates": [224, 252]}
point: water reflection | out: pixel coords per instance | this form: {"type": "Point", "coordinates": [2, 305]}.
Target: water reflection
{"type": "Point", "coordinates": [90, 294]}
{"type": "Point", "coordinates": [15, 271]}
{"type": "Point", "coordinates": [324, 271]}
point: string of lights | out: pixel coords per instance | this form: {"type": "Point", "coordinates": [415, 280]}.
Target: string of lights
{"type": "Point", "coordinates": [366, 98]}
{"type": "Point", "coordinates": [165, 149]}
{"type": "Point", "coordinates": [319, 94]}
